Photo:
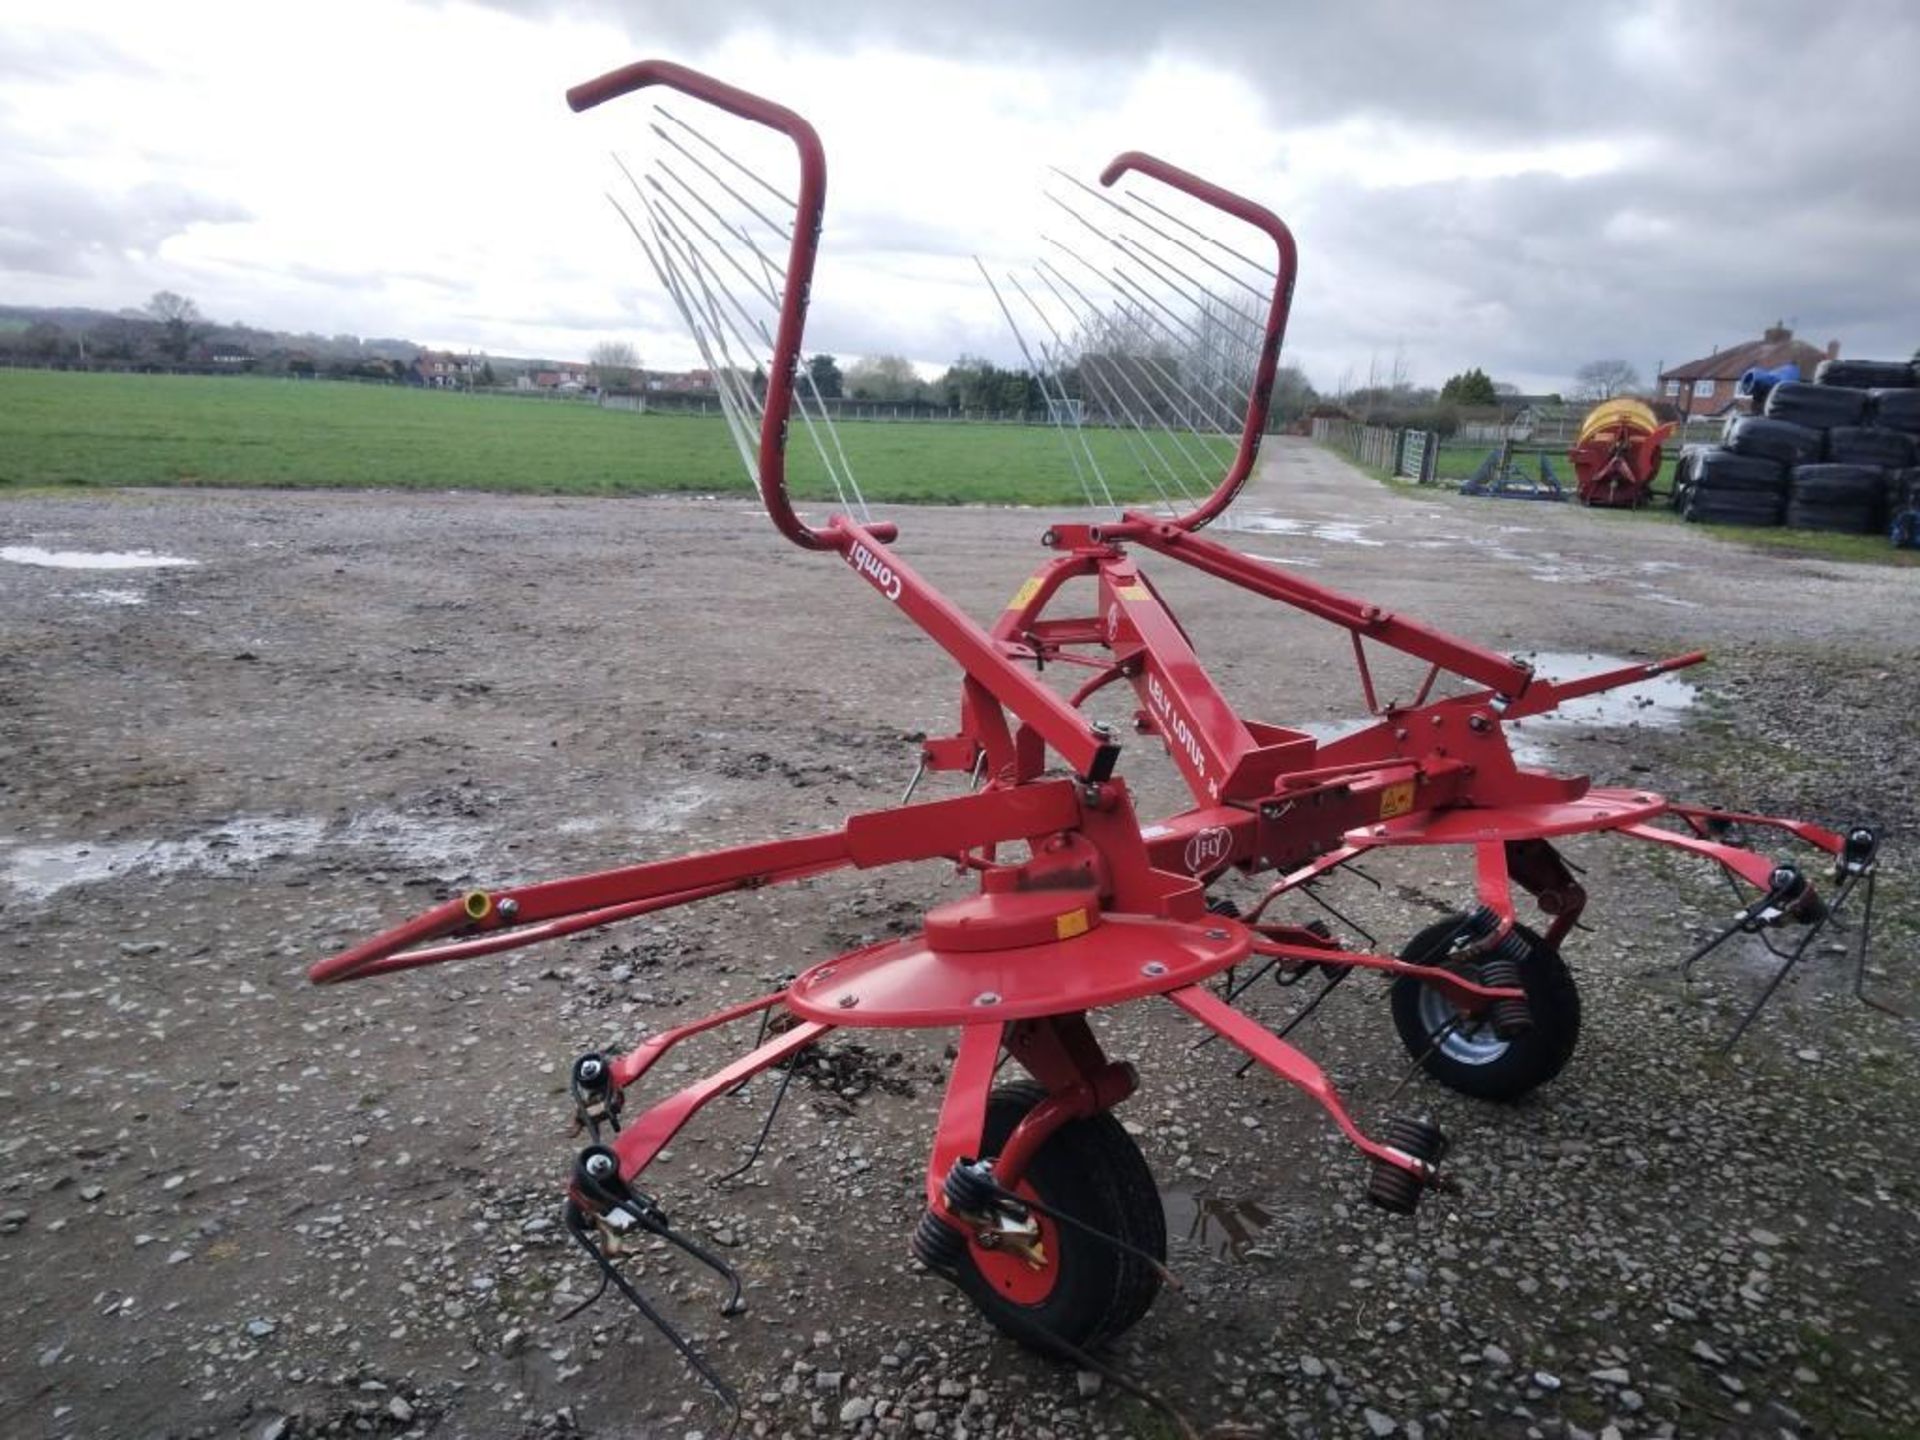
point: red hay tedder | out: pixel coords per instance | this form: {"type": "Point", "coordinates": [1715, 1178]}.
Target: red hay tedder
{"type": "Point", "coordinates": [1039, 1204]}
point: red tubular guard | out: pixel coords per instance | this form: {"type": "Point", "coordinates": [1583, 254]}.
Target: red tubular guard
{"type": "Point", "coordinates": [1287, 270]}
{"type": "Point", "coordinates": [800, 256]}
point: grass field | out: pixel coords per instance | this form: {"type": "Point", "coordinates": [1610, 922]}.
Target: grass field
{"type": "Point", "coordinates": [76, 429]}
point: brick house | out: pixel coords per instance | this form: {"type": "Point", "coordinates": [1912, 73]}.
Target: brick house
{"type": "Point", "coordinates": [1706, 387]}
{"type": "Point", "coordinates": [442, 369]}
{"type": "Point", "coordinates": [559, 377]}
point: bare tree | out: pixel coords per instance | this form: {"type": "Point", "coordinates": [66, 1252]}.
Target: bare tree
{"type": "Point", "coordinates": [614, 363]}
{"type": "Point", "coordinates": [1604, 379]}
{"type": "Point", "coordinates": [178, 317]}
{"type": "Point", "coordinates": [883, 377]}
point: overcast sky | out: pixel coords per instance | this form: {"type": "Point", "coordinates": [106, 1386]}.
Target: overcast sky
{"type": "Point", "coordinates": [1521, 187]}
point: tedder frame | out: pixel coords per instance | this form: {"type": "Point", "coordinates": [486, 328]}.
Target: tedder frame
{"type": "Point", "coordinates": [1036, 1201]}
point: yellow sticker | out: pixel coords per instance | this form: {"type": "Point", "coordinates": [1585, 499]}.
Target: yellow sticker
{"type": "Point", "coordinates": [1131, 592]}
{"type": "Point", "coordinates": [1073, 923]}
{"type": "Point", "coordinates": [1026, 592]}
{"type": "Point", "coordinates": [1396, 800]}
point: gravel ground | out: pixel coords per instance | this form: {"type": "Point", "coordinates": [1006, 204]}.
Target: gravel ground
{"type": "Point", "coordinates": [234, 1205]}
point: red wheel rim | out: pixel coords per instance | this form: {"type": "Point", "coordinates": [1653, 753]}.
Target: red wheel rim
{"type": "Point", "coordinates": [1011, 1273]}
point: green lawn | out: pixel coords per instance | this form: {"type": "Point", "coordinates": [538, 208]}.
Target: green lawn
{"type": "Point", "coordinates": [78, 429]}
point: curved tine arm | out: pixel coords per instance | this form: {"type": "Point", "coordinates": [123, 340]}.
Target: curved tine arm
{"type": "Point", "coordinates": [806, 243]}
{"type": "Point", "coordinates": [1288, 268]}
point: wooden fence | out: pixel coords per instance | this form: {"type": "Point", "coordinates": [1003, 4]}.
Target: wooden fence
{"type": "Point", "coordinates": [1408, 454]}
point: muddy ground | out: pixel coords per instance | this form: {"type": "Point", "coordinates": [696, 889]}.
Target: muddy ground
{"type": "Point", "coordinates": [236, 1205]}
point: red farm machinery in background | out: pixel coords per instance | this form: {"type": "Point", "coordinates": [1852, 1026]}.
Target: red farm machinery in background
{"type": "Point", "coordinates": [1616, 456]}
{"type": "Point", "coordinates": [1038, 1203]}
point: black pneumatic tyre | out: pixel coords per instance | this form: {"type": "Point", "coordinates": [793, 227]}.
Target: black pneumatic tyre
{"type": "Point", "coordinates": [1865, 374]}
{"type": "Point", "coordinates": [1092, 1170]}
{"type": "Point", "coordinates": [1897, 410]}
{"type": "Point", "coordinates": [1819, 406]}
{"type": "Point", "coordinates": [1683, 472]}
{"type": "Point", "coordinates": [1869, 445]}
{"type": "Point", "coordinates": [1778, 440]}
{"type": "Point", "coordinates": [1476, 1062]}
{"type": "Point", "coordinates": [1738, 509]}
{"type": "Point", "coordinates": [1722, 472]}
{"type": "Point", "coordinates": [1838, 485]}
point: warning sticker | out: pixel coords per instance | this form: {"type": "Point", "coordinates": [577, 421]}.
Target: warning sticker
{"type": "Point", "coordinates": [1396, 800]}
{"type": "Point", "coordinates": [1026, 592]}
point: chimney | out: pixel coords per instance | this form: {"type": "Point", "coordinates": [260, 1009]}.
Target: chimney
{"type": "Point", "coordinates": [1833, 349]}
{"type": "Point", "coordinates": [1777, 334]}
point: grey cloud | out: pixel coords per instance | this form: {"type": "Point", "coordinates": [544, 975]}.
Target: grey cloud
{"type": "Point", "coordinates": [1772, 172]}
{"type": "Point", "coordinates": [50, 225]}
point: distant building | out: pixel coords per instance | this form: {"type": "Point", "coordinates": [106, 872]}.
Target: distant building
{"type": "Point", "coordinates": [689, 382]}
{"type": "Point", "coordinates": [442, 369]}
{"type": "Point", "coordinates": [1706, 387]}
{"type": "Point", "coordinates": [568, 378]}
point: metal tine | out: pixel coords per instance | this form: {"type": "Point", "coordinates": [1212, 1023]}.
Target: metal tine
{"type": "Point", "coordinates": [669, 279]}
{"type": "Point", "coordinates": [1091, 367]}
{"type": "Point", "coordinates": [1152, 462]}
{"type": "Point", "coordinates": [785, 232]}
{"type": "Point", "coordinates": [1079, 473]}
{"type": "Point", "coordinates": [841, 479]}
{"type": "Point", "coordinates": [775, 278]}
{"type": "Point", "coordinates": [1238, 350]}
{"type": "Point", "coordinates": [733, 381]}
{"type": "Point", "coordinates": [664, 266]}
{"type": "Point", "coordinates": [1234, 407]}
{"type": "Point", "coordinates": [1107, 335]}
{"type": "Point", "coordinates": [1127, 245]}
{"type": "Point", "coordinates": [720, 327]}
{"type": "Point", "coordinates": [1265, 272]}
{"type": "Point", "coordinates": [1052, 354]}
{"type": "Point", "coordinates": [1144, 223]}
{"type": "Point", "coordinates": [786, 201]}
{"type": "Point", "coordinates": [1204, 472]}
{"type": "Point", "coordinates": [769, 285]}
{"type": "Point", "coordinates": [771, 297]}
{"type": "Point", "coordinates": [1217, 424]}
{"type": "Point", "coordinates": [813, 418]}
{"type": "Point", "coordinates": [703, 267]}
{"type": "Point", "coordinates": [1231, 345]}
{"type": "Point", "coordinates": [1184, 415]}
{"type": "Point", "coordinates": [702, 338]}
{"type": "Point", "coordinates": [833, 433]}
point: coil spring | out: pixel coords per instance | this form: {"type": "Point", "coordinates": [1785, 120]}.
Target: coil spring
{"type": "Point", "coordinates": [937, 1244]}
{"type": "Point", "coordinates": [1393, 1189]}
{"type": "Point", "coordinates": [1795, 896]}
{"type": "Point", "coordinates": [1481, 923]}
{"type": "Point", "coordinates": [970, 1188]}
{"type": "Point", "coordinates": [1501, 969]}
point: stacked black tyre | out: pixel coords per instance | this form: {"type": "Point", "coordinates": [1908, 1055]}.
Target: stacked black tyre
{"type": "Point", "coordinates": [1724, 487]}
{"type": "Point", "coordinates": [1866, 416]}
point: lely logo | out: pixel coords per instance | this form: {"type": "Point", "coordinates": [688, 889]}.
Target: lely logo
{"type": "Point", "coordinates": [880, 574]}
{"type": "Point", "coordinates": [1175, 727]}
{"type": "Point", "coordinates": [1208, 848]}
